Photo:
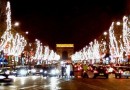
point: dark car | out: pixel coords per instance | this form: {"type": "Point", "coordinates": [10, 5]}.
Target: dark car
{"type": "Point", "coordinates": [39, 70]}
{"type": "Point", "coordinates": [4, 75]}
{"type": "Point", "coordinates": [36, 71]}
{"type": "Point", "coordinates": [52, 70]}
{"type": "Point", "coordinates": [122, 71]}
{"type": "Point", "coordinates": [100, 71]}
{"type": "Point", "coordinates": [20, 71]}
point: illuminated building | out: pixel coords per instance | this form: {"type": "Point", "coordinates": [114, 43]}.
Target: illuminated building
{"type": "Point", "coordinates": [65, 50]}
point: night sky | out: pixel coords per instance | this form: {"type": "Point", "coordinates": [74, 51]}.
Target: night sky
{"type": "Point", "coordinates": [66, 21]}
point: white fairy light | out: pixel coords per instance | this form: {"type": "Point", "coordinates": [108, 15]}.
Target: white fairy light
{"type": "Point", "coordinates": [7, 36]}
{"type": "Point", "coordinates": [113, 42]}
{"type": "Point", "coordinates": [56, 56]}
{"type": "Point", "coordinates": [51, 55]}
{"type": "Point", "coordinates": [8, 14]}
{"type": "Point", "coordinates": [39, 51]}
{"type": "Point", "coordinates": [46, 52]}
{"type": "Point", "coordinates": [85, 53]}
{"type": "Point", "coordinates": [96, 53]}
{"type": "Point", "coordinates": [126, 35]}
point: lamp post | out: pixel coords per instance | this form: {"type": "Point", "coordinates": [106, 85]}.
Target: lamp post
{"type": "Point", "coordinates": [107, 53]}
{"type": "Point", "coordinates": [106, 41]}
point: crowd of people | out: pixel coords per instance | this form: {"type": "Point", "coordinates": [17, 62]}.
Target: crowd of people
{"type": "Point", "coordinates": [71, 70]}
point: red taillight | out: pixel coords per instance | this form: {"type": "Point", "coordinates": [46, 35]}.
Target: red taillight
{"type": "Point", "coordinates": [120, 71]}
{"type": "Point", "coordinates": [79, 68]}
{"type": "Point", "coordinates": [95, 71]}
{"type": "Point", "coordinates": [106, 71]}
{"type": "Point", "coordinates": [116, 72]}
{"type": "Point", "coordinates": [91, 69]}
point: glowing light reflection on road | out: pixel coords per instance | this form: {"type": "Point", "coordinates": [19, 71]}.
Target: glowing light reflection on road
{"type": "Point", "coordinates": [23, 80]}
{"type": "Point", "coordinates": [53, 84]}
{"type": "Point", "coordinates": [34, 77]}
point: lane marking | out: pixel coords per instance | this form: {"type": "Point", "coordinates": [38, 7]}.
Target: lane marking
{"type": "Point", "coordinates": [29, 87]}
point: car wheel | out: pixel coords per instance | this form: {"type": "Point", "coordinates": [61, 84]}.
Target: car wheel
{"type": "Point", "coordinates": [115, 76]}
{"type": "Point", "coordinates": [106, 76]}
{"type": "Point", "coordinates": [7, 80]}
{"type": "Point", "coordinates": [94, 76]}
{"type": "Point", "coordinates": [120, 76]}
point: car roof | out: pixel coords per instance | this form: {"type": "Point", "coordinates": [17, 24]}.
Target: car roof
{"type": "Point", "coordinates": [122, 67]}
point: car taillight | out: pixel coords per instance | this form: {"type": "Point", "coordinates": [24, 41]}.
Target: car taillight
{"type": "Point", "coordinates": [106, 71]}
{"type": "Point", "coordinates": [79, 68]}
{"type": "Point", "coordinates": [116, 71]}
{"type": "Point", "coordinates": [91, 69]}
{"type": "Point", "coordinates": [120, 71]}
{"type": "Point", "coordinates": [95, 71]}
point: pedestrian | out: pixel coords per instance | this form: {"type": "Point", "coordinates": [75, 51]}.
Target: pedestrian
{"type": "Point", "coordinates": [68, 70]}
{"type": "Point", "coordinates": [59, 69]}
{"type": "Point", "coordinates": [63, 71]}
{"type": "Point", "coordinates": [71, 70]}
{"type": "Point", "coordinates": [85, 70]}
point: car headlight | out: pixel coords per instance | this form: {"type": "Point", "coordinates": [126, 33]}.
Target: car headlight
{"type": "Point", "coordinates": [29, 70]}
{"type": "Point", "coordinates": [23, 72]}
{"type": "Point", "coordinates": [33, 70]}
{"type": "Point", "coordinates": [45, 72]}
{"type": "Point", "coordinates": [14, 72]}
{"type": "Point", "coordinates": [7, 72]}
{"type": "Point", "coordinates": [53, 71]}
{"type": "Point", "coordinates": [56, 71]}
{"type": "Point", "coordinates": [41, 70]}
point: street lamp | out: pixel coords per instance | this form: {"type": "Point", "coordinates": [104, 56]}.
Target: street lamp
{"type": "Point", "coordinates": [118, 23]}
{"type": "Point", "coordinates": [16, 24]}
{"type": "Point", "coordinates": [106, 43]}
{"type": "Point", "coordinates": [105, 33]}
{"type": "Point", "coordinates": [26, 32]}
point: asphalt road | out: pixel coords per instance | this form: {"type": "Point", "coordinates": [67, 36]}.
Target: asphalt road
{"type": "Point", "coordinates": [54, 83]}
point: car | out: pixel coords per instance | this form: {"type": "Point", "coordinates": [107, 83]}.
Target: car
{"type": "Point", "coordinates": [4, 75]}
{"type": "Point", "coordinates": [20, 71]}
{"type": "Point", "coordinates": [50, 70]}
{"type": "Point", "coordinates": [45, 71]}
{"type": "Point", "coordinates": [122, 71]}
{"type": "Point", "coordinates": [100, 70]}
{"type": "Point", "coordinates": [5, 70]}
{"type": "Point", "coordinates": [36, 71]}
